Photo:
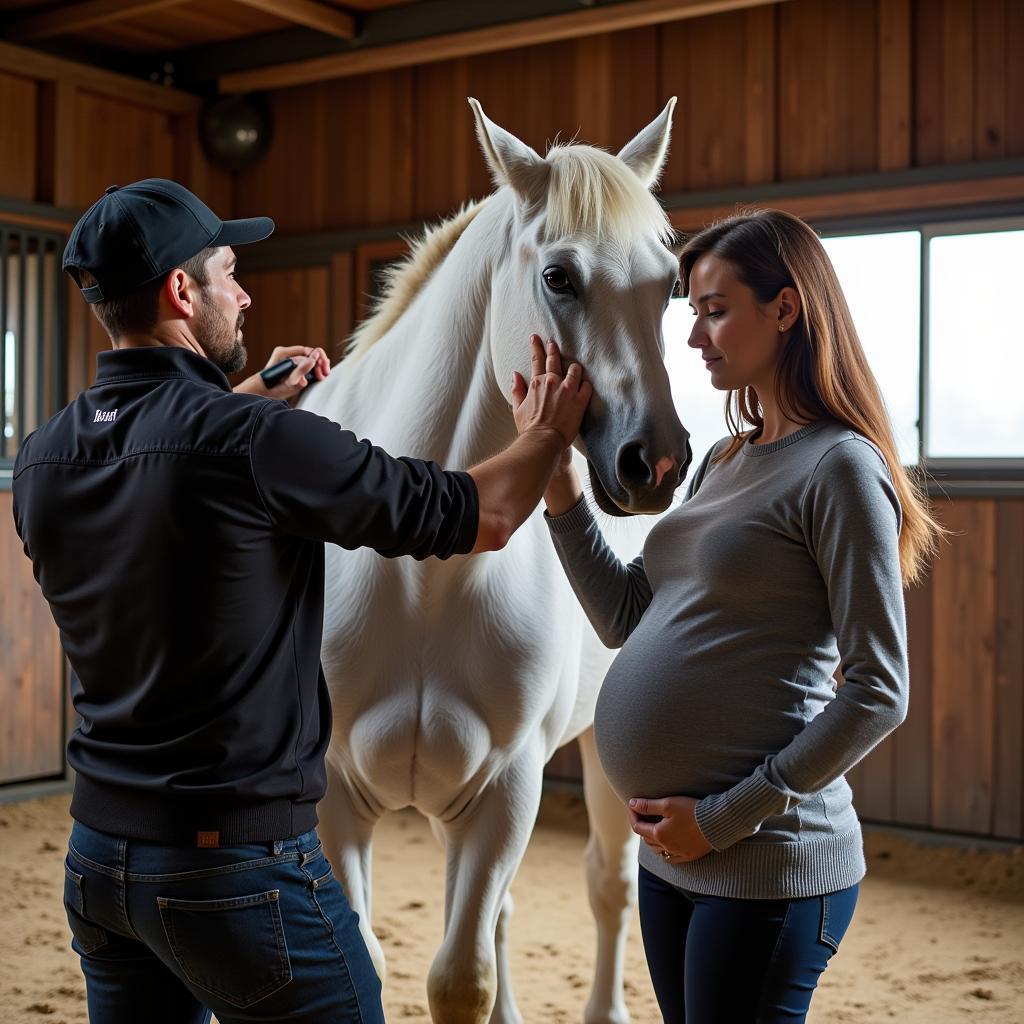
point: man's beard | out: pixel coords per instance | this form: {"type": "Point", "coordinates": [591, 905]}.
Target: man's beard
{"type": "Point", "coordinates": [221, 342]}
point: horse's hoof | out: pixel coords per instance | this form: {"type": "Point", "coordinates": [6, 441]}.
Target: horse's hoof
{"type": "Point", "coordinates": [606, 1015]}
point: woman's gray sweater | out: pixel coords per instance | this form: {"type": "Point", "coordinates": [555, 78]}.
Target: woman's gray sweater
{"type": "Point", "coordinates": [781, 565]}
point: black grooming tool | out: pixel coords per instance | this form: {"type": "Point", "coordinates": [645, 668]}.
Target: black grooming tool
{"type": "Point", "coordinates": [273, 375]}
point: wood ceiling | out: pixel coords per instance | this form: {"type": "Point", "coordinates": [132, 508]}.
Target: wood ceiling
{"type": "Point", "coordinates": [226, 46]}
{"type": "Point", "coordinates": [159, 26]}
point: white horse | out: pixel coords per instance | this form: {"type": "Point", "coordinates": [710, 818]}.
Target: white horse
{"type": "Point", "coordinates": [453, 682]}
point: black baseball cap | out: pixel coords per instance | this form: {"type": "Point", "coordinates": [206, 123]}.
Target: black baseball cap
{"type": "Point", "coordinates": [134, 234]}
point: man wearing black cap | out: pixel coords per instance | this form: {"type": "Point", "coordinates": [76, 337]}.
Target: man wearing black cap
{"type": "Point", "coordinates": [176, 529]}
{"type": "Point", "coordinates": [133, 236]}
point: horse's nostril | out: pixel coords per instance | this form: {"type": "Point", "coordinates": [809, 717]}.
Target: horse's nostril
{"type": "Point", "coordinates": [631, 466]}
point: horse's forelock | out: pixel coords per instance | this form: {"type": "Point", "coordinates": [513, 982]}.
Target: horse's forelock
{"type": "Point", "coordinates": [593, 193]}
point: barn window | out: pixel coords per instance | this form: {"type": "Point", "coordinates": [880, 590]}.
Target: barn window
{"type": "Point", "coordinates": [975, 351]}
{"type": "Point", "coordinates": [935, 308]}
{"type": "Point", "coordinates": [31, 313]}
{"type": "Point", "coordinates": [881, 279]}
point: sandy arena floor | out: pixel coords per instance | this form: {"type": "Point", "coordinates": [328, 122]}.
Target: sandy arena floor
{"type": "Point", "coordinates": [938, 936]}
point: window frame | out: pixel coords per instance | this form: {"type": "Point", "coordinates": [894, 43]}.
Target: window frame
{"type": "Point", "coordinates": [967, 476]}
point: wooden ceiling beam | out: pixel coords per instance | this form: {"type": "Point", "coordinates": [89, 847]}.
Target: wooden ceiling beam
{"type": "Point", "coordinates": [528, 32]}
{"type": "Point", "coordinates": [92, 14]}
{"type": "Point", "coordinates": [81, 16]}
{"type": "Point", "coordinates": [19, 60]}
{"type": "Point", "coordinates": [872, 201]}
{"type": "Point", "coordinates": [309, 13]}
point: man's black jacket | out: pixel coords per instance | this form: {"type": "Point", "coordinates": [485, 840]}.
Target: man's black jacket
{"type": "Point", "coordinates": [177, 531]}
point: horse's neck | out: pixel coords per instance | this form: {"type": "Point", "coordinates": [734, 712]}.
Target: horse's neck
{"type": "Point", "coordinates": [427, 387]}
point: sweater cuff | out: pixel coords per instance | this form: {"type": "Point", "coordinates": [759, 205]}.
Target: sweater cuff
{"type": "Point", "coordinates": [726, 818]}
{"type": "Point", "coordinates": [579, 517]}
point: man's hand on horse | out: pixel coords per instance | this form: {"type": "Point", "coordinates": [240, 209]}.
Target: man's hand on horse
{"type": "Point", "coordinates": [550, 401]}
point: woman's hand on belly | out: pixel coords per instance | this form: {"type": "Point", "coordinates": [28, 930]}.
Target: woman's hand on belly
{"type": "Point", "coordinates": [669, 827]}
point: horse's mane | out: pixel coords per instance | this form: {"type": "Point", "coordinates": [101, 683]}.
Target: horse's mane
{"type": "Point", "coordinates": [590, 192]}
{"type": "Point", "coordinates": [404, 280]}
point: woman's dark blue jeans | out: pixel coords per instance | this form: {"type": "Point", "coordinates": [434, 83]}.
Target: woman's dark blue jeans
{"type": "Point", "coordinates": [255, 932]}
{"type": "Point", "coordinates": [726, 961]}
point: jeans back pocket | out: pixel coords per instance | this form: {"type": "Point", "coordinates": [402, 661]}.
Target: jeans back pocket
{"type": "Point", "coordinates": [836, 913]}
{"type": "Point", "coordinates": [232, 948]}
{"type": "Point", "coordinates": [88, 936]}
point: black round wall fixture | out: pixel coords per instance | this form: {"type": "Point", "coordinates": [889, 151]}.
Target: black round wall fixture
{"type": "Point", "coordinates": [235, 131]}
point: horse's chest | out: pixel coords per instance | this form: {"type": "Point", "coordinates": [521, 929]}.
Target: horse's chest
{"type": "Point", "coordinates": [399, 622]}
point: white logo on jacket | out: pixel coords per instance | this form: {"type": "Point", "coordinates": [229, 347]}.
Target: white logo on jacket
{"type": "Point", "coordinates": [105, 416]}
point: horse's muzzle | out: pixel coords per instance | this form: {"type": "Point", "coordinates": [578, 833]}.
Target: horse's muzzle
{"type": "Point", "coordinates": [639, 488]}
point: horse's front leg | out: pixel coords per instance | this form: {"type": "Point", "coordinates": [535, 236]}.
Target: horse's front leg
{"type": "Point", "coordinates": [346, 831]}
{"type": "Point", "coordinates": [469, 979]}
{"type": "Point", "coordinates": [611, 883]}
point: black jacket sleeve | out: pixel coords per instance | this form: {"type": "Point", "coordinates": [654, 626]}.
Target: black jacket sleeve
{"type": "Point", "coordinates": [319, 482]}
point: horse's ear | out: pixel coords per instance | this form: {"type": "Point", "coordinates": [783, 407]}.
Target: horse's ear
{"type": "Point", "coordinates": [511, 161]}
{"type": "Point", "coordinates": [645, 155]}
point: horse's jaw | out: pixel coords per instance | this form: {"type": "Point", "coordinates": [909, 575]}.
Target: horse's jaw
{"type": "Point", "coordinates": [654, 502]}
{"type": "Point", "coordinates": [601, 496]}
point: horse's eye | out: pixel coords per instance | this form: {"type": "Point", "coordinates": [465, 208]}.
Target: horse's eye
{"type": "Point", "coordinates": [557, 279]}
{"type": "Point", "coordinates": [677, 289]}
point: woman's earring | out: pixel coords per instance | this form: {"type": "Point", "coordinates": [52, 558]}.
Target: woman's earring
{"type": "Point", "coordinates": [782, 328]}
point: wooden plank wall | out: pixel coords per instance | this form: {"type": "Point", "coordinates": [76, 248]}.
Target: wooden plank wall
{"type": "Point", "coordinates": [956, 763]}
{"type": "Point", "coordinates": [795, 91]}
{"type": "Point", "coordinates": [63, 144]}
{"type": "Point", "coordinates": [31, 677]}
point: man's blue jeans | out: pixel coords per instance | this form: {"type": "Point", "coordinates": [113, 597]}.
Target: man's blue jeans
{"type": "Point", "coordinates": [255, 932]}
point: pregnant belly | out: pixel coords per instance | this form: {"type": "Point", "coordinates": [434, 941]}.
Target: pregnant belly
{"type": "Point", "coordinates": [671, 727]}
{"type": "Point", "coordinates": [644, 729]}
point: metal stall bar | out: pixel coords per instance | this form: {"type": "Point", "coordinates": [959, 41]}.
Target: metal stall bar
{"type": "Point", "coordinates": [60, 341]}
{"type": "Point", "coordinates": [58, 364]}
{"type": "Point", "coordinates": [21, 365]}
{"type": "Point", "coordinates": [923, 332]}
{"type": "Point", "coordinates": [40, 340]}
{"type": "Point", "coordinates": [4, 243]}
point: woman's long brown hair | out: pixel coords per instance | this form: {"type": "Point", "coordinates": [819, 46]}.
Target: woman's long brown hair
{"type": "Point", "coordinates": [822, 372]}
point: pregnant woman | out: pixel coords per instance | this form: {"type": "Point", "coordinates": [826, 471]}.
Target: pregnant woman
{"type": "Point", "coordinates": [719, 723]}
